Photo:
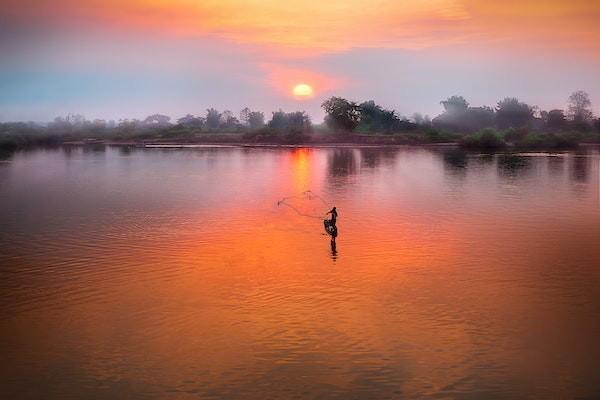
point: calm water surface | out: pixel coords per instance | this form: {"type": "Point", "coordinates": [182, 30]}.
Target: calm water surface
{"type": "Point", "coordinates": [176, 274]}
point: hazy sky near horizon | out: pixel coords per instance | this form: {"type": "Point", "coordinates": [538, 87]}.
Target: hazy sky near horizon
{"type": "Point", "coordinates": [117, 59]}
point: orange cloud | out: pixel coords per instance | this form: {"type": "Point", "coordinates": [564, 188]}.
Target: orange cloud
{"type": "Point", "coordinates": [298, 27]}
{"type": "Point", "coordinates": [537, 24]}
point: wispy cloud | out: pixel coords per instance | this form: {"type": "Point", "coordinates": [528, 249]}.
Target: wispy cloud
{"type": "Point", "coordinates": [332, 26]}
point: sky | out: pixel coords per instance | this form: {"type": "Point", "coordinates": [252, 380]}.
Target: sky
{"type": "Point", "coordinates": [116, 59]}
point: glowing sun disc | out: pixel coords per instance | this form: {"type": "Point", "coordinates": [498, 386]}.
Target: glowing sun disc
{"type": "Point", "coordinates": [302, 90]}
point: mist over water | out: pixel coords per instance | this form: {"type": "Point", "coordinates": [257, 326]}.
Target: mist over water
{"type": "Point", "coordinates": [175, 273]}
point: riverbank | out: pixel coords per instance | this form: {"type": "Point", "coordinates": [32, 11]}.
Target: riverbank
{"type": "Point", "coordinates": [486, 140]}
{"type": "Point", "coordinates": [244, 139]}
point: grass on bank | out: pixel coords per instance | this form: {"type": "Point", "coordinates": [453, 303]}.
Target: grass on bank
{"type": "Point", "coordinates": [488, 139]}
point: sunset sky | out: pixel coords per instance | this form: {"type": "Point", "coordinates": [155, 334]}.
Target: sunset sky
{"type": "Point", "coordinates": [130, 58]}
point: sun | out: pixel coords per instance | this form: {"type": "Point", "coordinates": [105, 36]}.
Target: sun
{"type": "Point", "coordinates": [302, 90]}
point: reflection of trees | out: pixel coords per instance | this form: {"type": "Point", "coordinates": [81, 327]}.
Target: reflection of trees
{"type": "Point", "coordinates": [455, 161]}
{"type": "Point", "coordinates": [5, 155]}
{"type": "Point", "coordinates": [373, 157]}
{"type": "Point", "coordinates": [556, 165]}
{"type": "Point", "coordinates": [486, 159]}
{"type": "Point", "coordinates": [69, 151]}
{"type": "Point", "coordinates": [511, 165]}
{"type": "Point", "coordinates": [94, 148]}
{"type": "Point", "coordinates": [580, 168]}
{"type": "Point", "coordinates": [341, 162]}
{"type": "Point", "coordinates": [125, 150]}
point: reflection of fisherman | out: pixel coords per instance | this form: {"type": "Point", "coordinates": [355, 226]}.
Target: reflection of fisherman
{"type": "Point", "coordinates": [334, 215]}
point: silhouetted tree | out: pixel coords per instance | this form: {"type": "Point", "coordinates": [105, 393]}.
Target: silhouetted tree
{"type": "Point", "coordinates": [278, 120]}
{"type": "Point", "coordinates": [245, 115]}
{"type": "Point", "coordinates": [341, 113]}
{"type": "Point", "coordinates": [157, 120]}
{"type": "Point", "coordinates": [283, 121]}
{"type": "Point", "coordinates": [374, 118]}
{"type": "Point", "coordinates": [189, 121]}
{"type": "Point", "coordinates": [459, 117]}
{"type": "Point", "coordinates": [128, 126]}
{"type": "Point", "coordinates": [60, 125]}
{"type": "Point", "coordinates": [228, 121]}
{"type": "Point", "coordinates": [299, 120]}
{"type": "Point", "coordinates": [510, 112]}
{"type": "Point", "coordinates": [555, 119]}
{"type": "Point", "coordinates": [78, 121]}
{"type": "Point", "coordinates": [478, 118]}
{"type": "Point", "coordinates": [455, 104]}
{"type": "Point", "coordinates": [252, 119]}
{"type": "Point", "coordinates": [213, 118]}
{"type": "Point", "coordinates": [256, 120]}
{"type": "Point", "coordinates": [580, 108]}
{"type": "Point", "coordinates": [97, 126]}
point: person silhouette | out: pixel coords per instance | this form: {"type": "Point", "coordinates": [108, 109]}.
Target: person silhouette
{"type": "Point", "coordinates": [334, 216]}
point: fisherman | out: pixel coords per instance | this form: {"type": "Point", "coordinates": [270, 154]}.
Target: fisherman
{"type": "Point", "coordinates": [334, 215]}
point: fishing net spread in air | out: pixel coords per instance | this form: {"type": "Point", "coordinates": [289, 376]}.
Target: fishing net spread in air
{"type": "Point", "coordinates": [306, 204]}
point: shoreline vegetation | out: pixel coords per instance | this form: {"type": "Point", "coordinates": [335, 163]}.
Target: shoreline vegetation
{"type": "Point", "coordinates": [511, 125]}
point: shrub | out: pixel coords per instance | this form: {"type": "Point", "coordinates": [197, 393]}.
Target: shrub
{"type": "Point", "coordinates": [515, 134]}
{"type": "Point", "coordinates": [486, 139]}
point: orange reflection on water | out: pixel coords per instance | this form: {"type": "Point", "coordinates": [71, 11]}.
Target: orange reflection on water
{"type": "Point", "coordinates": [431, 294]}
{"type": "Point", "coordinates": [301, 160]}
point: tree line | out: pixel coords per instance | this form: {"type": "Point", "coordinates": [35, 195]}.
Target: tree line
{"type": "Point", "coordinates": [342, 115]}
{"type": "Point", "coordinates": [510, 122]}
{"type": "Point", "coordinates": [212, 120]}
{"type": "Point", "coordinates": [460, 117]}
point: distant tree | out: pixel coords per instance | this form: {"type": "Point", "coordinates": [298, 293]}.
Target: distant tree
{"type": "Point", "coordinates": [369, 112]}
{"type": "Point", "coordinates": [213, 118]}
{"type": "Point", "coordinates": [97, 126]}
{"type": "Point", "coordinates": [228, 121]}
{"type": "Point", "coordinates": [60, 125]}
{"type": "Point", "coordinates": [157, 120]}
{"type": "Point", "coordinates": [341, 113]}
{"type": "Point", "coordinates": [455, 104]}
{"type": "Point", "coordinates": [417, 118]}
{"type": "Point", "coordinates": [245, 116]}
{"type": "Point", "coordinates": [190, 121]}
{"type": "Point", "coordinates": [252, 119]}
{"type": "Point", "coordinates": [478, 118]}
{"type": "Point", "coordinates": [426, 120]}
{"type": "Point", "coordinates": [510, 112]}
{"type": "Point", "coordinates": [459, 117]}
{"type": "Point", "coordinates": [256, 120]}
{"type": "Point", "coordinates": [128, 126]}
{"type": "Point", "coordinates": [283, 121]}
{"type": "Point", "coordinates": [374, 118]}
{"type": "Point", "coordinates": [580, 107]}
{"type": "Point", "coordinates": [278, 120]}
{"type": "Point", "coordinates": [77, 120]}
{"type": "Point", "coordinates": [299, 120]}
{"type": "Point", "coordinates": [555, 119]}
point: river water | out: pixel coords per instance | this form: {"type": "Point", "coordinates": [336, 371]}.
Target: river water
{"type": "Point", "coordinates": [169, 273]}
